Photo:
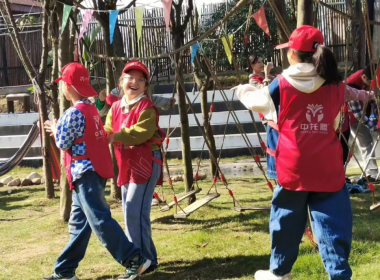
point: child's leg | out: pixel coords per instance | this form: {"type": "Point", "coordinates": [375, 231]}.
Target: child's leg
{"type": "Point", "coordinates": [138, 205]}
{"type": "Point", "coordinates": [332, 223]}
{"type": "Point", "coordinates": [90, 188]}
{"type": "Point", "coordinates": [80, 233]}
{"type": "Point", "coordinates": [287, 225]}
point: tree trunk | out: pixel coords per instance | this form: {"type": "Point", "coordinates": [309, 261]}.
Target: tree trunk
{"type": "Point", "coordinates": [64, 58]}
{"type": "Point", "coordinates": [54, 69]}
{"type": "Point", "coordinates": [46, 151]}
{"type": "Point", "coordinates": [283, 38]}
{"type": "Point", "coordinates": [360, 38]}
{"type": "Point", "coordinates": [111, 84]}
{"type": "Point", "coordinates": [304, 12]}
{"type": "Point", "coordinates": [185, 133]}
{"type": "Point", "coordinates": [118, 48]}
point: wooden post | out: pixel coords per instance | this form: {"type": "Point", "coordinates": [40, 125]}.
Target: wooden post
{"type": "Point", "coordinates": [64, 58]}
{"type": "Point", "coordinates": [178, 28]}
{"type": "Point", "coordinates": [304, 12]}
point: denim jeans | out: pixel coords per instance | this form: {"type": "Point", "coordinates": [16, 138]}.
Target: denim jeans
{"type": "Point", "coordinates": [91, 213]}
{"type": "Point", "coordinates": [137, 201]}
{"type": "Point", "coordinates": [332, 223]}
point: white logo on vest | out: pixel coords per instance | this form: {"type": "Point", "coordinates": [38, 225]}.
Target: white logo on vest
{"type": "Point", "coordinates": [99, 131]}
{"type": "Point", "coordinates": [314, 115]}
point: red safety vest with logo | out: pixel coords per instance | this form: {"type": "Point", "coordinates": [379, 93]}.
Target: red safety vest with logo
{"type": "Point", "coordinates": [97, 149]}
{"type": "Point", "coordinates": [135, 162]}
{"type": "Point", "coordinates": [308, 154]}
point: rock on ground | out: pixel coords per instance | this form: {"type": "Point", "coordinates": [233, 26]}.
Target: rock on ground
{"type": "Point", "coordinates": [34, 175]}
{"type": "Point", "coordinates": [36, 181]}
{"type": "Point", "coordinates": [177, 178]}
{"type": "Point", "coordinates": [6, 180]}
{"type": "Point", "coordinates": [201, 176]}
{"type": "Point", "coordinates": [14, 183]}
{"type": "Point", "coordinates": [26, 182]}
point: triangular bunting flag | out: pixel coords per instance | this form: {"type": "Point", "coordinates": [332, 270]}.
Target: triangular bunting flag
{"type": "Point", "coordinates": [65, 17]}
{"type": "Point", "coordinates": [261, 20]}
{"type": "Point", "coordinates": [139, 16]}
{"type": "Point", "coordinates": [194, 50]}
{"type": "Point", "coordinates": [112, 23]}
{"type": "Point", "coordinates": [226, 46]}
{"type": "Point", "coordinates": [86, 20]}
{"type": "Point", "coordinates": [167, 10]}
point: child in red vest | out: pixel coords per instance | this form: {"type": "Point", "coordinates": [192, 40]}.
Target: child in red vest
{"type": "Point", "coordinates": [132, 125]}
{"type": "Point", "coordinates": [80, 135]}
{"type": "Point", "coordinates": [307, 98]}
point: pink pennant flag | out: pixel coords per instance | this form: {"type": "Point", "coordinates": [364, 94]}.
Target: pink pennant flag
{"type": "Point", "coordinates": [167, 10]}
{"type": "Point", "coordinates": [261, 20]}
{"type": "Point", "coordinates": [86, 20]}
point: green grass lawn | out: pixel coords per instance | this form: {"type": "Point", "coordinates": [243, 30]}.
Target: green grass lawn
{"type": "Point", "coordinates": [213, 243]}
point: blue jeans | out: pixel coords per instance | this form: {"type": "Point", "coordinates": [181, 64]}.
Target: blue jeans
{"type": "Point", "coordinates": [332, 223]}
{"type": "Point", "coordinates": [91, 213]}
{"type": "Point", "coordinates": [137, 201]}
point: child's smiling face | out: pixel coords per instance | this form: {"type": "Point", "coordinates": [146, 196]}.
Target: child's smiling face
{"type": "Point", "coordinates": [134, 83]}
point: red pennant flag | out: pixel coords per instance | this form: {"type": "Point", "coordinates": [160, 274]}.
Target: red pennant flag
{"type": "Point", "coordinates": [261, 20]}
{"type": "Point", "coordinates": [246, 40]}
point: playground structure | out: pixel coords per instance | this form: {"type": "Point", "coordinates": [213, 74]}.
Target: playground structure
{"type": "Point", "coordinates": [174, 57]}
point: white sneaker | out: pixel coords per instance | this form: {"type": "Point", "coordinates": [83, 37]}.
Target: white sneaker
{"type": "Point", "coordinates": [268, 275]}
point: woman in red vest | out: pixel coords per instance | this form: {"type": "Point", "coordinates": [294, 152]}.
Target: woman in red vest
{"type": "Point", "coordinates": [132, 125]}
{"type": "Point", "coordinates": [305, 102]}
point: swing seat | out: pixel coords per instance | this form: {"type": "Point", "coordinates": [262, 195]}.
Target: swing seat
{"type": "Point", "coordinates": [195, 206]}
{"type": "Point", "coordinates": [250, 208]}
{"type": "Point", "coordinates": [374, 207]}
{"type": "Point", "coordinates": [172, 204]}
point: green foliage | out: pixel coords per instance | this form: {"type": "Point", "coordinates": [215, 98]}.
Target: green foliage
{"type": "Point", "coordinates": [89, 40]}
{"type": "Point", "coordinates": [259, 42]}
{"type": "Point", "coordinates": [25, 20]}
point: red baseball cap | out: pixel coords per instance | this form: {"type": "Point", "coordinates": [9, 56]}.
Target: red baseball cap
{"type": "Point", "coordinates": [305, 39]}
{"type": "Point", "coordinates": [136, 65]}
{"type": "Point", "coordinates": [76, 75]}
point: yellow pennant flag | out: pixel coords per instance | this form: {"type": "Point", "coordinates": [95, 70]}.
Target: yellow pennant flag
{"type": "Point", "coordinates": [139, 15]}
{"type": "Point", "coordinates": [227, 47]}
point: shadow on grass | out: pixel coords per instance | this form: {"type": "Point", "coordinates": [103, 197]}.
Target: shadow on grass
{"type": "Point", "coordinates": [245, 219]}
{"type": "Point", "coordinates": [205, 269]}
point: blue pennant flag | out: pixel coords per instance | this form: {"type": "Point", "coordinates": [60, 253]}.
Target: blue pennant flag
{"type": "Point", "coordinates": [113, 20]}
{"type": "Point", "coordinates": [194, 50]}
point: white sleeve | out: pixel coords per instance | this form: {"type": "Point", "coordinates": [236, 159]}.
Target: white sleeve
{"type": "Point", "coordinates": [258, 100]}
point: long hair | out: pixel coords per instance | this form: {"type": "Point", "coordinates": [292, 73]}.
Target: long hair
{"type": "Point", "coordinates": [324, 62]}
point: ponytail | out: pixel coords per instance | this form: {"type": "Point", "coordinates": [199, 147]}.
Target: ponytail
{"type": "Point", "coordinates": [324, 62]}
{"type": "Point", "coordinates": [326, 65]}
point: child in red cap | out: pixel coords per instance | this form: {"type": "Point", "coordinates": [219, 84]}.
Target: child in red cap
{"type": "Point", "coordinates": [303, 107]}
{"type": "Point", "coordinates": [79, 133]}
{"type": "Point", "coordinates": [132, 125]}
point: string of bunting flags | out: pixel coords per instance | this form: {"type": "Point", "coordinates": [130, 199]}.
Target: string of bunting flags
{"type": "Point", "coordinates": [259, 17]}
{"type": "Point", "coordinates": [261, 21]}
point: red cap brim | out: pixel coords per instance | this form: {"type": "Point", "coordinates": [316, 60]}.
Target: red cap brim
{"type": "Point", "coordinates": [136, 67]}
{"type": "Point", "coordinates": [85, 91]}
{"type": "Point", "coordinates": [57, 80]}
{"type": "Point", "coordinates": [282, 46]}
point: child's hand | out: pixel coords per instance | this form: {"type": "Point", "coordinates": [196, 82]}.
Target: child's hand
{"type": "Point", "coordinates": [268, 68]}
{"type": "Point", "coordinates": [111, 139]}
{"type": "Point", "coordinates": [172, 102]}
{"type": "Point", "coordinates": [102, 96]}
{"type": "Point", "coordinates": [51, 127]}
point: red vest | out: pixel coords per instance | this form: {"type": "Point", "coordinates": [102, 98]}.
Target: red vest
{"type": "Point", "coordinates": [97, 149]}
{"type": "Point", "coordinates": [308, 154]}
{"type": "Point", "coordinates": [135, 162]}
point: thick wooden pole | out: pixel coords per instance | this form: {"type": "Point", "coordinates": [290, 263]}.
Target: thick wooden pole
{"type": "Point", "coordinates": [64, 58]}
{"type": "Point", "coordinates": [304, 12]}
